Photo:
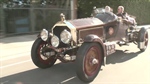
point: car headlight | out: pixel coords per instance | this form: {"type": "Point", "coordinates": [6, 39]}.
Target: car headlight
{"type": "Point", "coordinates": [55, 41]}
{"type": "Point", "coordinates": [44, 35]}
{"type": "Point", "coordinates": [65, 36]}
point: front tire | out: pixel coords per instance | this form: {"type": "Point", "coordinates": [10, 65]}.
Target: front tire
{"type": "Point", "coordinates": [38, 59]}
{"type": "Point", "coordinates": [89, 61]}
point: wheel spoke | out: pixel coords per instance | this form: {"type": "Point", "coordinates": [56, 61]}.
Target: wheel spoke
{"type": "Point", "coordinates": [42, 54]}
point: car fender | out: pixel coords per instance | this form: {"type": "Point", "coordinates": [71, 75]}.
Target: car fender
{"type": "Point", "coordinates": [95, 38]}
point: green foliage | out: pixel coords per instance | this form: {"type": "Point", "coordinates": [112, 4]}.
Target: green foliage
{"type": "Point", "coordinates": [138, 8]}
{"type": "Point", "coordinates": [3, 1]}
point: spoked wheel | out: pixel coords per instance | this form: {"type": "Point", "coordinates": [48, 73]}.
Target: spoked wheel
{"type": "Point", "coordinates": [145, 41]}
{"type": "Point", "coordinates": [42, 56]}
{"type": "Point", "coordinates": [89, 61]}
{"type": "Point", "coordinates": [143, 37]}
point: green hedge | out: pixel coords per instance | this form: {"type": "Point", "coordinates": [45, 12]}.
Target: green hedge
{"type": "Point", "coordinates": [138, 8]}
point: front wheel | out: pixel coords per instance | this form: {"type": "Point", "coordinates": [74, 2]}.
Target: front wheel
{"type": "Point", "coordinates": [39, 54]}
{"type": "Point", "coordinates": [89, 61]}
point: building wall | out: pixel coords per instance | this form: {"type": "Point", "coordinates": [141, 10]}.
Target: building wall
{"type": "Point", "coordinates": [33, 17]}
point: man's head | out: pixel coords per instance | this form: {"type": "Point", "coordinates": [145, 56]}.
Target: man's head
{"type": "Point", "coordinates": [107, 8]}
{"type": "Point", "coordinates": [120, 9]}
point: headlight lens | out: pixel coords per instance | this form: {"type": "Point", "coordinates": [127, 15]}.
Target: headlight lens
{"type": "Point", "coordinates": [55, 41]}
{"type": "Point", "coordinates": [65, 36]}
{"type": "Point", "coordinates": [44, 35]}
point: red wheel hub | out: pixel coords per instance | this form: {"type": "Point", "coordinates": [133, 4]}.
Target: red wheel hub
{"type": "Point", "coordinates": [92, 61]}
{"type": "Point", "coordinates": [43, 58]}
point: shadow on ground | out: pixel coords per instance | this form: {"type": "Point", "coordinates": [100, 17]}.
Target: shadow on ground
{"type": "Point", "coordinates": [58, 74]}
{"type": "Point", "coordinates": [121, 56]}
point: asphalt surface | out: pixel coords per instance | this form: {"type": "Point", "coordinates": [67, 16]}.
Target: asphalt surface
{"type": "Point", "coordinates": [127, 66]}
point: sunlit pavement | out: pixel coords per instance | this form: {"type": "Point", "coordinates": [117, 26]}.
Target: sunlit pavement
{"type": "Point", "coordinates": [127, 66]}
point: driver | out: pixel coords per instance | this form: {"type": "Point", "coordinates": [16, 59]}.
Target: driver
{"type": "Point", "coordinates": [121, 12]}
{"type": "Point", "coordinates": [125, 16]}
{"type": "Point", "coordinates": [127, 19]}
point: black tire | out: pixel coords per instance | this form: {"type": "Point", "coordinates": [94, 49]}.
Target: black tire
{"type": "Point", "coordinates": [85, 69]}
{"type": "Point", "coordinates": [36, 55]}
{"type": "Point", "coordinates": [143, 37]}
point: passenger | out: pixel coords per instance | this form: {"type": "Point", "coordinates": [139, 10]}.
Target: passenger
{"type": "Point", "coordinates": [108, 9]}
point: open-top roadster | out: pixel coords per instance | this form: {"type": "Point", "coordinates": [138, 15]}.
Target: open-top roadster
{"type": "Point", "coordinates": [86, 41]}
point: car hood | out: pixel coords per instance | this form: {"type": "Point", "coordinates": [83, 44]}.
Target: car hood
{"type": "Point", "coordinates": [85, 22]}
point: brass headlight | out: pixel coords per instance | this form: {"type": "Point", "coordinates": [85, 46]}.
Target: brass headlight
{"type": "Point", "coordinates": [55, 41]}
{"type": "Point", "coordinates": [44, 35]}
{"type": "Point", "coordinates": [65, 36]}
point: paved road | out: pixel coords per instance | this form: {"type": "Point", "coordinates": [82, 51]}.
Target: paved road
{"type": "Point", "coordinates": [127, 66]}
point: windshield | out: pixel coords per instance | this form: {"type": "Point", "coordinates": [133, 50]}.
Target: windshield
{"type": "Point", "coordinates": [105, 16]}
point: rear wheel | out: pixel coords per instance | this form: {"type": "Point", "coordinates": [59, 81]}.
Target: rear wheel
{"type": "Point", "coordinates": [89, 61]}
{"type": "Point", "coordinates": [42, 56]}
{"type": "Point", "coordinates": [143, 37]}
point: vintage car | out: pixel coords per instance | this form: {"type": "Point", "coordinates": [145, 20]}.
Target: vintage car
{"type": "Point", "coordinates": [86, 41]}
